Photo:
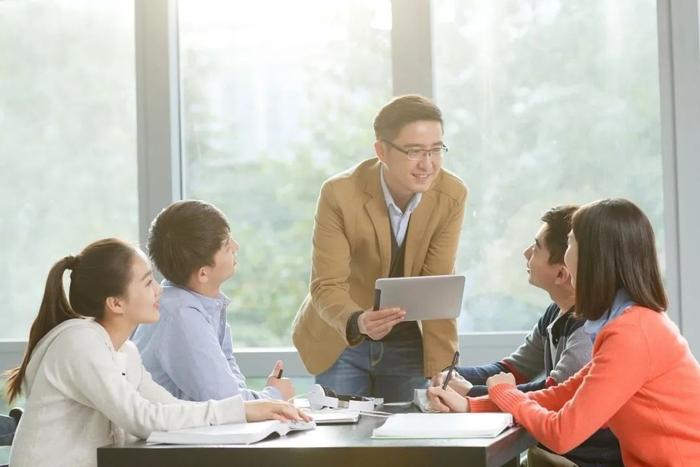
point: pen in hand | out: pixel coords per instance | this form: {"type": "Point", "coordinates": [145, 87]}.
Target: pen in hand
{"type": "Point", "coordinates": [455, 359]}
{"type": "Point", "coordinates": [277, 370]}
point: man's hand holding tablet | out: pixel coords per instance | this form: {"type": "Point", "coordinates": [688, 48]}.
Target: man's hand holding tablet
{"type": "Point", "coordinates": [421, 297]}
{"type": "Point", "coordinates": [378, 323]}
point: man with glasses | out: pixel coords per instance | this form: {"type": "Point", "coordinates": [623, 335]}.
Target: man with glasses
{"type": "Point", "coordinates": [397, 214]}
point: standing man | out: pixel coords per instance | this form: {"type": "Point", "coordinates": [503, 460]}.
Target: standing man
{"type": "Point", "coordinates": [394, 215]}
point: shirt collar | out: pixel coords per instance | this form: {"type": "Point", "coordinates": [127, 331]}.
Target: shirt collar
{"type": "Point", "coordinates": [621, 302]}
{"type": "Point", "coordinates": [211, 305]}
{"type": "Point", "coordinates": [389, 200]}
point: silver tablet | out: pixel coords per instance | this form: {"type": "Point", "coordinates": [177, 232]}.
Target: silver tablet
{"type": "Point", "coordinates": [423, 297]}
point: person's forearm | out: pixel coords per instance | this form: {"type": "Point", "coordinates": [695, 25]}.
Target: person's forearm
{"type": "Point", "coordinates": [477, 375]}
{"type": "Point", "coordinates": [269, 392]}
{"type": "Point", "coordinates": [352, 330]}
{"type": "Point", "coordinates": [532, 386]}
{"type": "Point", "coordinates": [334, 306]}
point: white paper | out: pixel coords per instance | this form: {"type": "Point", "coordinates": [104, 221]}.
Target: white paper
{"type": "Point", "coordinates": [444, 425]}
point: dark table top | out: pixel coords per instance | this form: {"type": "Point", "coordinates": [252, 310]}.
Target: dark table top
{"type": "Point", "coordinates": [332, 445]}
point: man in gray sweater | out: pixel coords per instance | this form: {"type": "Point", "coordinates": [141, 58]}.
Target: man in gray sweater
{"type": "Point", "coordinates": [556, 347]}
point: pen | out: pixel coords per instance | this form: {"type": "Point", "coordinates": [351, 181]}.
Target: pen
{"type": "Point", "coordinates": [455, 359]}
{"type": "Point", "coordinates": [279, 375]}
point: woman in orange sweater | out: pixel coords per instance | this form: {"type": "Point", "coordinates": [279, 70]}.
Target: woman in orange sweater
{"type": "Point", "coordinates": [642, 382]}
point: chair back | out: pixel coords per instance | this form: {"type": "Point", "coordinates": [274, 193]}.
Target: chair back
{"type": "Point", "coordinates": [8, 426]}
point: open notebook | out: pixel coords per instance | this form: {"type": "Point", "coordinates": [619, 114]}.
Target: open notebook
{"type": "Point", "coordinates": [236, 433]}
{"type": "Point", "coordinates": [444, 425]}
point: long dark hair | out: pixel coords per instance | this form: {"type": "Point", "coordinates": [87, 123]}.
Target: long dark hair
{"type": "Point", "coordinates": [101, 270]}
{"type": "Point", "coordinates": [616, 250]}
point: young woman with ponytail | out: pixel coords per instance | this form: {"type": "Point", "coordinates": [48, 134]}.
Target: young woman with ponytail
{"type": "Point", "coordinates": [83, 380]}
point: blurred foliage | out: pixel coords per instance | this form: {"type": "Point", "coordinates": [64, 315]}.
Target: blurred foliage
{"type": "Point", "coordinates": [270, 197]}
{"type": "Point", "coordinates": [548, 103]}
{"type": "Point", "coordinates": [545, 103]}
{"type": "Point", "coordinates": [68, 144]}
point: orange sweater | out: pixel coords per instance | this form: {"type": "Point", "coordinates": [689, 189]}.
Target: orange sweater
{"type": "Point", "coordinates": [643, 383]}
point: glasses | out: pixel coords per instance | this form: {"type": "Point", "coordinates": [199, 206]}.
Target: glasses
{"type": "Point", "coordinates": [417, 154]}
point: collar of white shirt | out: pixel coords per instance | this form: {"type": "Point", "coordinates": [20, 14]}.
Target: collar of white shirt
{"type": "Point", "coordinates": [391, 204]}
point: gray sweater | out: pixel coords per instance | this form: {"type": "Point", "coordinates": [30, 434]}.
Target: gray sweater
{"type": "Point", "coordinates": [555, 349]}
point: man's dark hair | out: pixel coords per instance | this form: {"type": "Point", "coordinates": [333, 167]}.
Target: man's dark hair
{"type": "Point", "coordinates": [616, 250]}
{"type": "Point", "coordinates": [558, 220]}
{"type": "Point", "coordinates": [401, 111]}
{"type": "Point", "coordinates": [184, 237]}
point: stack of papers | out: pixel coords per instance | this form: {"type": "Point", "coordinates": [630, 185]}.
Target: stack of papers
{"type": "Point", "coordinates": [444, 425]}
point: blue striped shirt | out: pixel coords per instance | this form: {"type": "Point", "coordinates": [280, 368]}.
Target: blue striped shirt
{"type": "Point", "coordinates": [189, 350]}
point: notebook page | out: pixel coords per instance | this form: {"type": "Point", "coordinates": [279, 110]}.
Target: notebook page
{"type": "Point", "coordinates": [447, 425]}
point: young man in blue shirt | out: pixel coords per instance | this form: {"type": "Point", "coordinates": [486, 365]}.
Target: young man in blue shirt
{"type": "Point", "coordinates": [189, 350]}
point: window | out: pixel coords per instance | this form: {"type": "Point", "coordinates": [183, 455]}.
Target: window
{"type": "Point", "coordinates": [68, 148]}
{"type": "Point", "coordinates": [547, 103]}
{"type": "Point", "coordinates": [273, 104]}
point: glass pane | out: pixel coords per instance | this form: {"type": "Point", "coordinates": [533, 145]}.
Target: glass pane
{"type": "Point", "coordinates": [272, 104]}
{"type": "Point", "coordinates": [548, 102]}
{"type": "Point", "coordinates": [68, 145]}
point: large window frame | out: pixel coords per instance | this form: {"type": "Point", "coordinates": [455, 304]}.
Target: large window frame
{"type": "Point", "coordinates": [160, 174]}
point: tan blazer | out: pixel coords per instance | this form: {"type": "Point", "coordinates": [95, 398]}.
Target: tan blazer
{"type": "Point", "coordinates": [352, 248]}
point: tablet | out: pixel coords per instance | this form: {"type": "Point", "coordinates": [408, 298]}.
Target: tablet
{"type": "Point", "coordinates": [423, 297]}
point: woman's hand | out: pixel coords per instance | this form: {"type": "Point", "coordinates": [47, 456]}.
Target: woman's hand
{"type": "Point", "coordinates": [500, 378]}
{"type": "Point", "coordinates": [258, 410]}
{"type": "Point", "coordinates": [457, 382]}
{"type": "Point", "coordinates": [447, 400]}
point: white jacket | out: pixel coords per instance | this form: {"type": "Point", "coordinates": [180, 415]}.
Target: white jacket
{"type": "Point", "coordinates": [82, 394]}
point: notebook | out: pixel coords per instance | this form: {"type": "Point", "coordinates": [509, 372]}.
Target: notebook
{"type": "Point", "coordinates": [444, 425]}
{"type": "Point", "coordinates": [237, 433]}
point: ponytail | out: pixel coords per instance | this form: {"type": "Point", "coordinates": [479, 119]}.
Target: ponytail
{"type": "Point", "coordinates": [101, 270]}
{"type": "Point", "coordinates": [54, 310]}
